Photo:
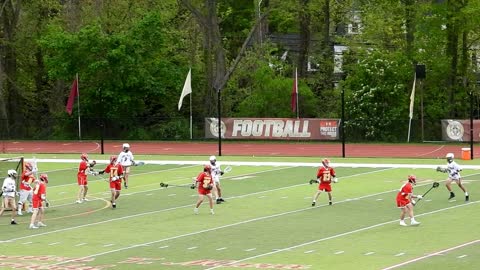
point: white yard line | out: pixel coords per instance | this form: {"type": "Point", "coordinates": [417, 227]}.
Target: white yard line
{"type": "Point", "coordinates": [432, 254]}
{"type": "Point", "coordinates": [353, 232]}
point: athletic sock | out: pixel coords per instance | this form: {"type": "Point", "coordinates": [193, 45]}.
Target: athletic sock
{"type": "Point", "coordinates": [466, 193]}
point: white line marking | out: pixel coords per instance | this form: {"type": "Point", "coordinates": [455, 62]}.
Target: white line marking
{"type": "Point", "coordinates": [379, 199]}
{"type": "Point", "coordinates": [400, 254]}
{"type": "Point", "coordinates": [286, 197]}
{"type": "Point", "coordinates": [433, 254]}
{"type": "Point", "coordinates": [55, 243]}
{"type": "Point", "coordinates": [309, 251]}
{"type": "Point", "coordinates": [462, 256]}
{"type": "Point", "coordinates": [369, 253]}
{"type": "Point", "coordinates": [108, 245]}
{"type": "Point", "coordinates": [250, 249]}
{"type": "Point", "coordinates": [163, 247]}
{"type": "Point", "coordinates": [170, 195]}
{"type": "Point", "coordinates": [190, 248]}
{"type": "Point", "coordinates": [339, 252]}
{"type": "Point", "coordinates": [27, 243]}
{"type": "Point", "coordinates": [222, 248]}
{"type": "Point", "coordinates": [149, 194]}
{"type": "Point", "coordinates": [338, 236]}
{"type": "Point", "coordinates": [81, 244]}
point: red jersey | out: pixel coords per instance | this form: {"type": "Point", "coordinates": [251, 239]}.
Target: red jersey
{"type": "Point", "coordinates": [204, 179]}
{"type": "Point", "coordinates": [27, 178]}
{"type": "Point", "coordinates": [325, 175]}
{"type": "Point", "coordinates": [114, 170]}
{"type": "Point", "coordinates": [42, 190]}
{"type": "Point", "coordinates": [405, 191]}
{"type": "Point", "coordinates": [82, 168]}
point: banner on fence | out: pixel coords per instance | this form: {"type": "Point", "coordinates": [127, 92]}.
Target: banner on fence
{"type": "Point", "coordinates": [274, 128]}
{"type": "Point", "coordinates": [459, 130]}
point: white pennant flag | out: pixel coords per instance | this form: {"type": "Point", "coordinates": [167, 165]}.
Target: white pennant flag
{"type": "Point", "coordinates": [412, 97]}
{"type": "Point", "coordinates": [187, 88]}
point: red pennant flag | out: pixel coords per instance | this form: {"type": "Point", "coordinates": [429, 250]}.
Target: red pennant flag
{"type": "Point", "coordinates": [73, 95]}
{"type": "Point", "coordinates": [294, 93]}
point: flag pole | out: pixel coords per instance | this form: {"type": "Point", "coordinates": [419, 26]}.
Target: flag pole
{"type": "Point", "coordinates": [78, 108]}
{"type": "Point", "coordinates": [191, 118]}
{"type": "Point", "coordinates": [296, 93]}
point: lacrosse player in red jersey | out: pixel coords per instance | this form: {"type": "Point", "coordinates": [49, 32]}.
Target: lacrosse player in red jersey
{"type": "Point", "coordinates": [83, 169]}
{"type": "Point", "coordinates": [26, 191]}
{"type": "Point", "coordinates": [405, 201]}
{"type": "Point", "coordinates": [39, 198]}
{"type": "Point", "coordinates": [205, 184]}
{"type": "Point", "coordinates": [325, 176]}
{"type": "Point", "coordinates": [115, 171]}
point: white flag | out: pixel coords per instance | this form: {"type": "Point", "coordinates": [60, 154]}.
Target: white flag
{"type": "Point", "coordinates": [412, 97]}
{"type": "Point", "coordinates": [187, 88]}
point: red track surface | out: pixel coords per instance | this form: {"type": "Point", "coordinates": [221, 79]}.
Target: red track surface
{"type": "Point", "coordinates": [239, 148]}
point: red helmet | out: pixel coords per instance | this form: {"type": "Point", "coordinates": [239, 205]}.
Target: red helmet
{"type": "Point", "coordinates": [28, 166]}
{"type": "Point", "coordinates": [84, 156]}
{"type": "Point", "coordinates": [44, 177]}
{"type": "Point", "coordinates": [207, 168]}
{"type": "Point", "coordinates": [113, 159]}
{"type": "Point", "coordinates": [412, 179]}
{"type": "Point", "coordinates": [326, 162]}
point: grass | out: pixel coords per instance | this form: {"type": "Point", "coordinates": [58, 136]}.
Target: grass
{"type": "Point", "coordinates": [267, 221]}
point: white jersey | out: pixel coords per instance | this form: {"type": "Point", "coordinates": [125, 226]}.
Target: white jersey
{"type": "Point", "coordinates": [125, 158]}
{"type": "Point", "coordinates": [453, 171]}
{"type": "Point", "coordinates": [9, 187]}
{"type": "Point", "coordinates": [216, 172]}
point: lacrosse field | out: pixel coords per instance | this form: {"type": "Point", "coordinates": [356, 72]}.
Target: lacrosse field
{"type": "Point", "coordinates": [267, 221]}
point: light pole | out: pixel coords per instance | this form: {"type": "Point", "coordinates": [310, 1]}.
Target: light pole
{"type": "Point", "coordinates": [260, 21]}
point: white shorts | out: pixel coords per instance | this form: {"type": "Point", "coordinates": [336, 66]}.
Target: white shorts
{"type": "Point", "coordinates": [25, 195]}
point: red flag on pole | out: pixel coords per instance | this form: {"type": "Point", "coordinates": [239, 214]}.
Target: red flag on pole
{"type": "Point", "coordinates": [294, 93]}
{"type": "Point", "coordinates": [73, 95]}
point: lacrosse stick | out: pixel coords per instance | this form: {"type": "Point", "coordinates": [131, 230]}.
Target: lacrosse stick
{"type": "Point", "coordinates": [435, 185]}
{"type": "Point", "coordinates": [140, 163]}
{"type": "Point", "coordinates": [165, 185]}
{"type": "Point", "coordinates": [227, 169]}
{"type": "Point", "coordinates": [440, 169]}
{"type": "Point", "coordinates": [313, 181]}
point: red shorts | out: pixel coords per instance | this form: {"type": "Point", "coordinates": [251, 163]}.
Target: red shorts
{"type": "Point", "coordinates": [401, 203]}
{"type": "Point", "coordinates": [82, 180]}
{"type": "Point", "coordinates": [117, 185]}
{"type": "Point", "coordinates": [36, 203]}
{"type": "Point", "coordinates": [204, 191]}
{"type": "Point", "coordinates": [325, 187]}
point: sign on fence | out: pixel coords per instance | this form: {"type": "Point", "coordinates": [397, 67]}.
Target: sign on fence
{"type": "Point", "coordinates": [459, 130]}
{"type": "Point", "coordinates": [274, 128]}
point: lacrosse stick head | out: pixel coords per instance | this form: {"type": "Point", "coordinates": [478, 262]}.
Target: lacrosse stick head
{"type": "Point", "coordinates": [436, 184]}
{"type": "Point", "coordinates": [163, 185]}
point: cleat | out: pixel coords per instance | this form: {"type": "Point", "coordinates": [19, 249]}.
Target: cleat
{"type": "Point", "coordinates": [13, 222]}
{"type": "Point", "coordinates": [329, 203]}
{"type": "Point", "coordinates": [125, 185]}
{"type": "Point", "coordinates": [211, 212]}
{"type": "Point", "coordinates": [86, 200]}
{"type": "Point", "coordinates": [414, 223]}
{"type": "Point", "coordinates": [452, 195]}
{"type": "Point", "coordinates": [467, 198]}
{"type": "Point", "coordinates": [32, 226]}
{"type": "Point", "coordinates": [41, 224]}
{"type": "Point", "coordinates": [29, 211]}
{"type": "Point", "coordinates": [114, 205]}
{"type": "Point", "coordinates": [402, 223]}
{"type": "Point", "coordinates": [221, 199]}
{"type": "Point", "coordinates": [78, 201]}
{"type": "Point", "coordinates": [313, 203]}
{"type": "Point", "coordinates": [195, 210]}
{"type": "Point", "coordinates": [19, 213]}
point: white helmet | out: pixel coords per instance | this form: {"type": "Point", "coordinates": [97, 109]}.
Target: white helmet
{"type": "Point", "coordinates": [126, 145]}
{"type": "Point", "coordinates": [449, 157]}
{"type": "Point", "coordinates": [12, 173]}
{"type": "Point", "coordinates": [212, 158]}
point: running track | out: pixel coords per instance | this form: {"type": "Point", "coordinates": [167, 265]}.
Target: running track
{"type": "Point", "coordinates": [239, 148]}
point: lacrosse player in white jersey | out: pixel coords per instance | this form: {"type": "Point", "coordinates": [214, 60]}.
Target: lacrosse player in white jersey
{"type": "Point", "coordinates": [216, 173]}
{"type": "Point", "coordinates": [9, 189]}
{"type": "Point", "coordinates": [125, 158]}
{"type": "Point", "coordinates": [453, 171]}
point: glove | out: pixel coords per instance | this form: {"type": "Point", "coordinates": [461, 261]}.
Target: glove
{"type": "Point", "coordinates": [414, 202]}
{"type": "Point", "coordinates": [313, 181]}
{"type": "Point", "coordinates": [115, 178]}
{"type": "Point", "coordinates": [17, 193]}
{"type": "Point", "coordinates": [209, 187]}
{"type": "Point", "coordinates": [222, 172]}
{"type": "Point", "coordinates": [419, 197]}
{"type": "Point", "coordinates": [101, 172]}
{"type": "Point", "coordinates": [47, 204]}
{"type": "Point", "coordinates": [192, 186]}
{"type": "Point", "coordinates": [95, 173]}
{"type": "Point", "coordinates": [335, 179]}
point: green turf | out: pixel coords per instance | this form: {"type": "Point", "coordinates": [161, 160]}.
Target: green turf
{"type": "Point", "coordinates": [267, 222]}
